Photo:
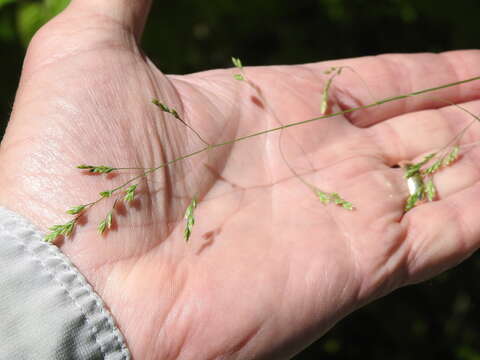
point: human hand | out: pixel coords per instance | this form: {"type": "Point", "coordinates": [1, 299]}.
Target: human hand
{"type": "Point", "coordinates": [268, 268]}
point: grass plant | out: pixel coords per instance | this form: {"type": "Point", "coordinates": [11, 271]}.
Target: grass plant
{"type": "Point", "coordinates": [419, 174]}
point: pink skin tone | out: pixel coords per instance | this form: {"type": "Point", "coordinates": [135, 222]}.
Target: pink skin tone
{"type": "Point", "coordinates": [268, 269]}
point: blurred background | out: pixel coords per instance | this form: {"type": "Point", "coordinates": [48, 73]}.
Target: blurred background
{"type": "Point", "coordinates": [439, 319]}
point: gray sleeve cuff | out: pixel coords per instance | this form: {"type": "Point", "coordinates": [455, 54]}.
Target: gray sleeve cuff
{"type": "Point", "coordinates": [47, 308]}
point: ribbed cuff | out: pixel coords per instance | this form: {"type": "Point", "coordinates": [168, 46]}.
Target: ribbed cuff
{"type": "Point", "coordinates": [47, 308]}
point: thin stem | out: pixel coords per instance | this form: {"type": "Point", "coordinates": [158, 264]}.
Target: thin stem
{"type": "Point", "coordinates": [132, 168]}
{"type": "Point", "coordinates": [292, 170]}
{"type": "Point", "coordinates": [295, 173]}
{"type": "Point", "coordinates": [464, 130]}
{"type": "Point", "coordinates": [175, 114]}
{"type": "Point", "coordinates": [442, 152]}
{"type": "Point", "coordinates": [150, 170]}
{"type": "Point", "coordinates": [362, 80]}
{"type": "Point", "coordinates": [362, 107]}
{"type": "Point", "coordinates": [194, 131]}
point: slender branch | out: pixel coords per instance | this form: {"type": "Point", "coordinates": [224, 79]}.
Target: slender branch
{"type": "Point", "coordinates": [464, 130]}
{"type": "Point", "coordinates": [174, 113]}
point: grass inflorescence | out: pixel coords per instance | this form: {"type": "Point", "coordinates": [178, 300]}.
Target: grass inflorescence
{"type": "Point", "coordinates": [419, 174]}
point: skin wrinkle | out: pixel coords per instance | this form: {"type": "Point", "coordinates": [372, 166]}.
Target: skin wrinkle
{"type": "Point", "coordinates": [452, 70]}
{"type": "Point", "coordinates": [237, 351]}
{"type": "Point", "coordinates": [181, 351]}
{"type": "Point", "coordinates": [235, 111]}
{"type": "Point", "coordinates": [177, 351]}
{"type": "Point", "coordinates": [284, 70]}
{"type": "Point", "coordinates": [154, 201]}
{"type": "Point", "coordinates": [183, 335]}
{"type": "Point", "coordinates": [284, 307]}
{"type": "Point", "coordinates": [396, 263]}
{"type": "Point", "coordinates": [292, 136]}
{"type": "Point", "coordinates": [377, 156]}
{"type": "Point", "coordinates": [351, 248]}
{"type": "Point", "coordinates": [50, 62]}
{"type": "Point", "coordinates": [262, 186]}
{"type": "Point", "coordinates": [347, 99]}
{"type": "Point", "coordinates": [445, 122]}
{"type": "Point", "coordinates": [472, 134]}
{"type": "Point", "coordinates": [411, 237]}
{"type": "Point", "coordinates": [219, 177]}
{"type": "Point", "coordinates": [162, 128]}
{"type": "Point", "coordinates": [446, 60]}
{"type": "Point", "coordinates": [183, 110]}
{"type": "Point", "coordinates": [277, 72]}
{"type": "Point", "coordinates": [462, 227]}
{"type": "Point", "coordinates": [120, 26]}
{"type": "Point", "coordinates": [270, 163]}
{"type": "Point", "coordinates": [434, 113]}
{"type": "Point", "coordinates": [311, 73]}
{"type": "Point", "coordinates": [223, 161]}
{"type": "Point", "coordinates": [300, 98]}
{"type": "Point", "coordinates": [472, 162]}
{"type": "Point", "coordinates": [389, 65]}
{"type": "Point", "coordinates": [293, 140]}
{"type": "Point", "coordinates": [119, 259]}
{"type": "Point", "coordinates": [241, 348]}
{"type": "Point", "coordinates": [178, 283]}
{"type": "Point", "coordinates": [165, 133]}
{"type": "Point", "coordinates": [352, 172]}
{"type": "Point", "coordinates": [394, 138]}
{"type": "Point", "coordinates": [205, 87]}
{"type": "Point", "coordinates": [351, 241]}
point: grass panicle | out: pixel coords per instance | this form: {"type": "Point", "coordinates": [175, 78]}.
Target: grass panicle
{"type": "Point", "coordinates": [238, 64]}
{"type": "Point", "coordinates": [421, 169]}
{"type": "Point", "coordinates": [106, 223]}
{"type": "Point", "coordinates": [60, 230]}
{"type": "Point", "coordinates": [190, 219]}
{"type": "Point", "coordinates": [130, 193]}
{"type": "Point", "coordinates": [333, 198]}
{"type": "Point", "coordinates": [100, 169]}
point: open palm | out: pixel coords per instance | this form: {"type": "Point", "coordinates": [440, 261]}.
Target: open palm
{"type": "Point", "coordinates": [268, 268]}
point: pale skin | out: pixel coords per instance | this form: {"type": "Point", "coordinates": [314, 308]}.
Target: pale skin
{"type": "Point", "coordinates": [268, 268]}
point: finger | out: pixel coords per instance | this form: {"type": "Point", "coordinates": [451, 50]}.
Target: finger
{"type": "Point", "coordinates": [441, 234]}
{"type": "Point", "coordinates": [411, 136]}
{"type": "Point", "coordinates": [395, 74]}
{"type": "Point", "coordinates": [128, 14]}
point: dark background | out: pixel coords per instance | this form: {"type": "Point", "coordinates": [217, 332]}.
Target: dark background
{"type": "Point", "coordinates": [439, 319]}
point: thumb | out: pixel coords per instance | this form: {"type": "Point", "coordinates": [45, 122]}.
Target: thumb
{"type": "Point", "coordinates": [85, 25]}
{"type": "Point", "coordinates": [130, 15]}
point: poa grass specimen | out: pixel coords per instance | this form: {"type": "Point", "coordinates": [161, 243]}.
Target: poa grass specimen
{"type": "Point", "coordinates": [418, 175]}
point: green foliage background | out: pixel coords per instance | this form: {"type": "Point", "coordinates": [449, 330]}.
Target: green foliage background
{"type": "Point", "coordinates": [437, 319]}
